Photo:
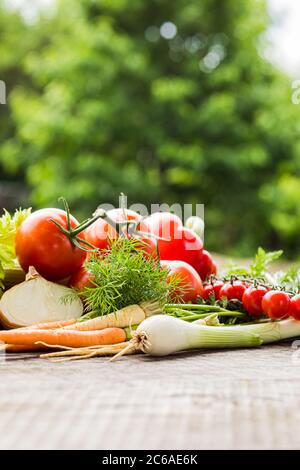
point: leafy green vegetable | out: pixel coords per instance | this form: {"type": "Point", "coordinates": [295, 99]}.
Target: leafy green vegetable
{"type": "Point", "coordinates": [259, 266]}
{"type": "Point", "coordinates": [9, 225]}
{"type": "Point", "coordinates": [123, 276]}
{"type": "Point", "coordinates": [289, 279]}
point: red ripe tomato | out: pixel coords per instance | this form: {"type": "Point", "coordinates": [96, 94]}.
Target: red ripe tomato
{"type": "Point", "coordinates": [214, 268]}
{"type": "Point", "coordinates": [181, 243]}
{"type": "Point", "coordinates": [212, 290]}
{"type": "Point", "coordinates": [149, 247]}
{"type": "Point", "coordinates": [81, 279]}
{"type": "Point", "coordinates": [276, 304]}
{"type": "Point", "coordinates": [161, 224]}
{"type": "Point", "coordinates": [294, 308]}
{"type": "Point", "coordinates": [233, 290]}
{"type": "Point", "coordinates": [40, 243]}
{"type": "Point", "coordinates": [191, 281]}
{"type": "Point", "coordinates": [99, 233]}
{"type": "Point", "coordinates": [120, 215]}
{"type": "Point", "coordinates": [206, 265]}
{"type": "Point", "coordinates": [252, 299]}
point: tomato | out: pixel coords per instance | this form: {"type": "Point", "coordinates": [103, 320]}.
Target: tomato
{"type": "Point", "coordinates": [294, 307]}
{"type": "Point", "coordinates": [149, 246]}
{"type": "Point", "coordinates": [180, 242]}
{"type": "Point", "coordinates": [81, 279]}
{"type": "Point", "coordinates": [99, 233]}
{"type": "Point", "coordinates": [233, 290]}
{"type": "Point", "coordinates": [214, 268]}
{"type": "Point", "coordinates": [161, 224]}
{"type": "Point", "coordinates": [212, 290]}
{"type": "Point", "coordinates": [40, 243]}
{"type": "Point", "coordinates": [120, 215]}
{"type": "Point", "coordinates": [206, 266]}
{"type": "Point", "coordinates": [190, 279]}
{"type": "Point", "coordinates": [252, 299]}
{"type": "Point", "coordinates": [276, 304]}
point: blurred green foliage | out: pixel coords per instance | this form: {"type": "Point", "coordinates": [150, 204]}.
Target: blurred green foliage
{"type": "Point", "coordinates": [100, 102]}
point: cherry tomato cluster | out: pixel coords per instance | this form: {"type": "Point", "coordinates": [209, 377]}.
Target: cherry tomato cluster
{"type": "Point", "coordinates": [257, 300]}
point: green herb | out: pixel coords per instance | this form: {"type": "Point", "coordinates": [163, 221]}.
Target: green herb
{"type": "Point", "coordinates": [124, 276]}
{"type": "Point", "coordinates": [259, 266]}
{"type": "Point", "coordinates": [9, 225]}
{"type": "Point", "coordinates": [289, 280]}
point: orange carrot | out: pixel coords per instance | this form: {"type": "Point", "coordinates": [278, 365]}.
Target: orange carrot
{"type": "Point", "coordinates": [63, 337]}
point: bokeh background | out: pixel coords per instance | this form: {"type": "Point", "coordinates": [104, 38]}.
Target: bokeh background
{"type": "Point", "coordinates": [165, 100]}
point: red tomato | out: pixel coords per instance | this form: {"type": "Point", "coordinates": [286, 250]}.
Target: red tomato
{"type": "Point", "coordinates": [149, 246]}
{"type": "Point", "coordinates": [212, 289]}
{"type": "Point", "coordinates": [162, 224]}
{"type": "Point", "coordinates": [214, 268]}
{"type": "Point", "coordinates": [252, 299]}
{"type": "Point", "coordinates": [191, 281]}
{"type": "Point", "coordinates": [233, 290]}
{"type": "Point", "coordinates": [120, 215]}
{"type": "Point", "coordinates": [81, 279]}
{"type": "Point", "coordinates": [99, 233]}
{"type": "Point", "coordinates": [276, 304]}
{"type": "Point", "coordinates": [206, 266]}
{"type": "Point", "coordinates": [294, 308]}
{"type": "Point", "coordinates": [181, 243]}
{"type": "Point", "coordinates": [40, 243]}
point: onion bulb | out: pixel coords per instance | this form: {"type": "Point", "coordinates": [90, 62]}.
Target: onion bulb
{"type": "Point", "coordinates": [37, 300]}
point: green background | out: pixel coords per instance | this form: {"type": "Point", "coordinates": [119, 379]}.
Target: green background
{"type": "Point", "coordinates": [100, 102]}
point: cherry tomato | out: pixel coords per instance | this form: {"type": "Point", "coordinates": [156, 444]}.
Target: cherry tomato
{"type": "Point", "coordinates": [206, 265]}
{"type": "Point", "coordinates": [276, 304]}
{"type": "Point", "coordinates": [294, 308]}
{"type": "Point", "coordinates": [190, 279]}
{"type": "Point", "coordinates": [81, 279]}
{"type": "Point", "coordinates": [40, 243]}
{"type": "Point", "coordinates": [99, 234]}
{"type": "Point", "coordinates": [212, 290]}
{"type": "Point", "coordinates": [233, 290]}
{"type": "Point", "coordinates": [252, 299]}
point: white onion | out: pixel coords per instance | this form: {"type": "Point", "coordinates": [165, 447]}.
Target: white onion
{"type": "Point", "coordinates": [196, 224]}
{"type": "Point", "coordinates": [37, 300]}
{"type": "Point", "coordinates": [161, 335]}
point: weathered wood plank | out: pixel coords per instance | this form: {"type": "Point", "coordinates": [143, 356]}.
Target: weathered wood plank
{"type": "Point", "coordinates": [207, 400]}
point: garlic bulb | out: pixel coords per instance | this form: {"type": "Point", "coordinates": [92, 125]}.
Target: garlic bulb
{"type": "Point", "coordinates": [37, 300]}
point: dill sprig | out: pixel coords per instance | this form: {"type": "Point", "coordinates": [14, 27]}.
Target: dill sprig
{"type": "Point", "coordinates": [124, 276]}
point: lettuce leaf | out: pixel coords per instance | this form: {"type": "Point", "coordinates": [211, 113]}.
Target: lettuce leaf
{"type": "Point", "coordinates": [9, 225]}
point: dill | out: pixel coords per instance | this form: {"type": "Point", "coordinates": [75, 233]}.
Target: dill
{"type": "Point", "coordinates": [124, 276]}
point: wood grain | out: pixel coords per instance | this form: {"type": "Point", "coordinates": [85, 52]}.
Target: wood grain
{"type": "Point", "coordinates": [206, 400]}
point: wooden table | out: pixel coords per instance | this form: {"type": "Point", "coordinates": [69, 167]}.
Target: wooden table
{"type": "Point", "coordinates": [205, 400]}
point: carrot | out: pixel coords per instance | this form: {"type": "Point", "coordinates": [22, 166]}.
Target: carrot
{"type": "Point", "coordinates": [127, 316]}
{"type": "Point", "coordinates": [63, 337]}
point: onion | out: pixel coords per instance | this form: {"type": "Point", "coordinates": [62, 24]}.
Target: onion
{"type": "Point", "coordinates": [37, 300]}
{"type": "Point", "coordinates": [196, 224]}
{"type": "Point", "coordinates": [161, 335]}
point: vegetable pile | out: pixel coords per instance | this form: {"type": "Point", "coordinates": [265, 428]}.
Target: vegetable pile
{"type": "Point", "coordinates": [119, 283]}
